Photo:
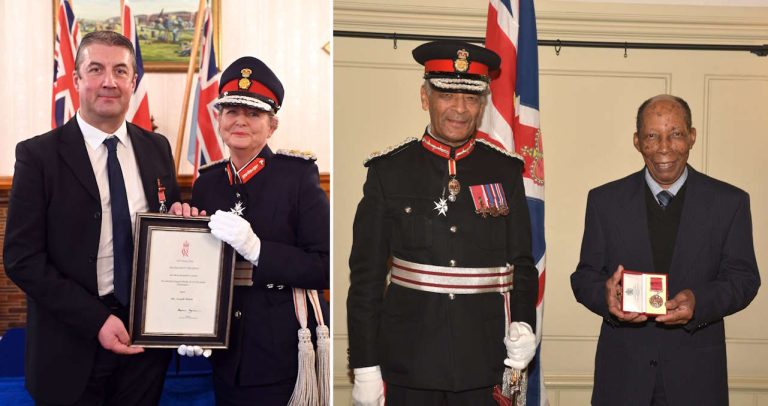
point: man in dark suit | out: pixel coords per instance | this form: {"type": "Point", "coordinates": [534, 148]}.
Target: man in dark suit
{"type": "Point", "coordinates": [444, 217]}
{"type": "Point", "coordinates": [68, 242]}
{"type": "Point", "coordinates": [670, 219]}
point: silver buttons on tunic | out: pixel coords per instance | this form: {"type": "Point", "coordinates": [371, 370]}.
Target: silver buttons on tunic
{"type": "Point", "coordinates": [407, 209]}
{"type": "Point", "coordinates": [452, 262]}
{"type": "Point", "coordinates": [454, 229]}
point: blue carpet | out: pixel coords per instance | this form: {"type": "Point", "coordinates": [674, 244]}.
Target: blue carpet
{"type": "Point", "coordinates": [12, 392]}
{"type": "Point", "coordinates": [191, 390]}
{"type": "Point", "coordinates": [188, 381]}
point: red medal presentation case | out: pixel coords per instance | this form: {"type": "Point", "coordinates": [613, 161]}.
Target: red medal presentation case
{"type": "Point", "coordinates": [644, 292]}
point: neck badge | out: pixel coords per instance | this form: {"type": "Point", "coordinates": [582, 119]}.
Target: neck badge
{"type": "Point", "coordinates": [238, 177]}
{"type": "Point", "coordinates": [452, 155]}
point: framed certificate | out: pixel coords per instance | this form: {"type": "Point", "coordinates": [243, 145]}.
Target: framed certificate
{"type": "Point", "coordinates": [182, 283]}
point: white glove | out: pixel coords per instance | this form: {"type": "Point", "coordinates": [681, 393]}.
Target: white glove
{"type": "Point", "coordinates": [193, 351]}
{"type": "Point", "coordinates": [521, 345]}
{"type": "Point", "coordinates": [237, 232]}
{"type": "Point", "coordinates": [369, 387]}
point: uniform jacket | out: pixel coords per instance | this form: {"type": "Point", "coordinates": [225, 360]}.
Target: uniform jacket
{"type": "Point", "coordinates": [51, 242]}
{"type": "Point", "coordinates": [289, 212]}
{"type": "Point", "coordinates": [713, 256]}
{"type": "Point", "coordinates": [429, 340]}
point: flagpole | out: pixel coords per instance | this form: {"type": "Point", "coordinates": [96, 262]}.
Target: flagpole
{"type": "Point", "coordinates": [188, 88]}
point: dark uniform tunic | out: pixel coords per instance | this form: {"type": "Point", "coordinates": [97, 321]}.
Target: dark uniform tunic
{"type": "Point", "coordinates": [430, 340]}
{"type": "Point", "coordinates": [289, 212]}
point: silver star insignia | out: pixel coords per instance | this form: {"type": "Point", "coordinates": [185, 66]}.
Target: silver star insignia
{"type": "Point", "coordinates": [238, 209]}
{"type": "Point", "coordinates": [441, 206]}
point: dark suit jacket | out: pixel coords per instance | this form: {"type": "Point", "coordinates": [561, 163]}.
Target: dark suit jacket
{"type": "Point", "coordinates": [290, 213]}
{"type": "Point", "coordinates": [51, 243]}
{"type": "Point", "coordinates": [713, 256]}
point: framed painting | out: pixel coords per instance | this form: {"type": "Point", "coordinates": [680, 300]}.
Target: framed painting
{"type": "Point", "coordinates": [166, 28]}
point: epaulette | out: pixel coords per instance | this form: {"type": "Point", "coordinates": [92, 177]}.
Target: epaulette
{"type": "Point", "coordinates": [389, 150]}
{"type": "Point", "coordinates": [213, 164]}
{"type": "Point", "coordinates": [503, 151]}
{"type": "Point", "coordinates": [295, 153]}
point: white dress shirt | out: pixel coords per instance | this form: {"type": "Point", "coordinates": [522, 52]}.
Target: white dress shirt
{"type": "Point", "coordinates": [137, 201]}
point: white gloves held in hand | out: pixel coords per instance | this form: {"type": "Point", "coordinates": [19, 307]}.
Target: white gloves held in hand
{"type": "Point", "coordinates": [237, 232]}
{"type": "Point", "coordinates": [193, 351]}
{"type": "Point", "coordinates": [369, 387]}
{"type": "Point", "coordinates": [521, 345]}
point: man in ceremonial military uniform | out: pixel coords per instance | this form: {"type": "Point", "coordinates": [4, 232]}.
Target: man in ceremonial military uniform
{"type": "Point", "coordinates": [446, 217]}
{"type": "Point", "coordinates": [271, 209]}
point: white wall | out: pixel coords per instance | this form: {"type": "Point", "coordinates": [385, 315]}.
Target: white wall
{"type": "Point", "coordinates": [288, 35]}
{"type": "Point", "coordinates": [589, 98]}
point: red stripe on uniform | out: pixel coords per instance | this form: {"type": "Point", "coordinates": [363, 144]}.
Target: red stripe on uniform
{"type": "Point", "coordinates": [439, 285]}
{"type": "Point", "coordinates": [458, 275]}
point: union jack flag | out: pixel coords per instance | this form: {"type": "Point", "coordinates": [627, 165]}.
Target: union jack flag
{"type": "Point", "coordinates": [138, 111]}
{"type": "Point", "coordinates": [204, 144]}
{"type": "Point", "coordinates": [65, 100]}
{"type": "Point", "coordinates": [511, 121]}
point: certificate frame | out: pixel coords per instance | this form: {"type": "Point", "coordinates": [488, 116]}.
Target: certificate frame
{"type": "Point", "coordinates": [200, 313]}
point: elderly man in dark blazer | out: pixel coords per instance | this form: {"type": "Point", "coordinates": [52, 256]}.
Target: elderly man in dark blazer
{"type": "Point", "coordinates": [670, 219]}
{"type": "Point", "coordinates": [68, 242]}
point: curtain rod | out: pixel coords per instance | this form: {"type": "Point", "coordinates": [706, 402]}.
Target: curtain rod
{"type": "Point", "coordinates": [759, 50]}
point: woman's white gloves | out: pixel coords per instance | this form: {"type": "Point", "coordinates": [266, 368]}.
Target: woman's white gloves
{"type": "Point", "coordinates": [237, 232]}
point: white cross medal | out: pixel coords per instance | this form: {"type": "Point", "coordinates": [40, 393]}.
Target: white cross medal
{"type": "Point", "coordinates": [441, 206]}
{"type": "Point", "coordinates": [239, 207]}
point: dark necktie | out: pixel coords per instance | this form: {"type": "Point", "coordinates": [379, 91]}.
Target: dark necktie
{"type": "Point", "coordinates": [664, 198]}
{"type": "Point", "coordinates": [122, 243]}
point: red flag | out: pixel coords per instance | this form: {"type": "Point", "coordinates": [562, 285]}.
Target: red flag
{"type": "Point", "coordinates": [65, 100]}
{"type": "Point", "coordinates": [138, 111]}
{"type": "Point", "coordinates": [204, 144]}
{"type": "Point", "coordinates": [511, 121]}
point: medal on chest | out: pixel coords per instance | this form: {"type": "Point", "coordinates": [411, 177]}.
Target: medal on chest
{"type": "Point", "coordinates": [489, 199]}
{"type": "Point", "coordinates": [161, 197]}
{"type": "Point", "coordinates": [239, 206]}
{"type": "Point", "coordinates": [452, 155]}
{"type": "Point", "coordinates": [238, 178]}
{"type": "Point", "coordinates": [454, 187]}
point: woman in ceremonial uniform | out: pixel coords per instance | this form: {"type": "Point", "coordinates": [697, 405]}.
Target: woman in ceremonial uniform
{"type": "Point", "coordinates": [269, 206]}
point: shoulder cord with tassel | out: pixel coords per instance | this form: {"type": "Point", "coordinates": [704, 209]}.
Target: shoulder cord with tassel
{"type": "Point", "coordinates": [306, 392]}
